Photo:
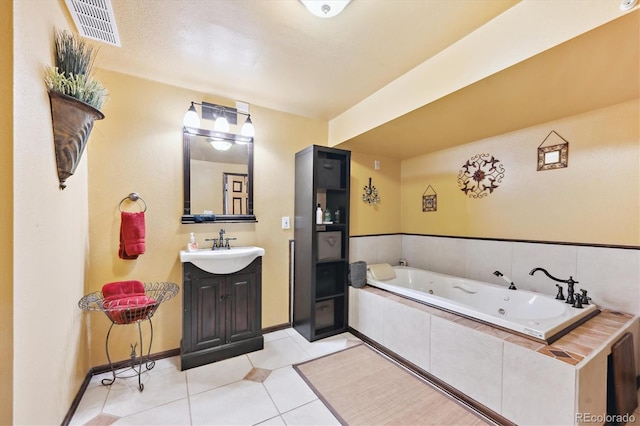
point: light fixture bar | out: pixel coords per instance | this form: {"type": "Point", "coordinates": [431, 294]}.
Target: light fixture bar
{"type": "Point", "coordinates": [213, 111]}
{"type": "Point", "coordinates": [223, 116]}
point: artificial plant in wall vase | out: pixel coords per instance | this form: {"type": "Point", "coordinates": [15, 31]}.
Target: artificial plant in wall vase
{"type": "Point", "coordinates": [75, 100]}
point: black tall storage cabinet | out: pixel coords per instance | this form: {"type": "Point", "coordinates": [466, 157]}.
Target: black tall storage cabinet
{"type": "Point", "coordinates": [321, 256]}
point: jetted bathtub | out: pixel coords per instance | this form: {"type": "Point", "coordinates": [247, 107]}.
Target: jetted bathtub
{"type": "Point", "coordinates": [533, 314]}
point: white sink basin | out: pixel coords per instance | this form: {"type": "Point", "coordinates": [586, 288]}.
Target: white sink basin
{"type": "Point", "coordinates": [222, 261]}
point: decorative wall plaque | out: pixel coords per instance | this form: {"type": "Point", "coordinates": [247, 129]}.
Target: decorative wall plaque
{"type": "Point", "coordinates": [553, 156]}
{"type": "Point", "coordinates": [429, 200]}
{"type": "Point", "coordinates": [480, 175]}
{"type": "Point", "coordinates": [370, 195]}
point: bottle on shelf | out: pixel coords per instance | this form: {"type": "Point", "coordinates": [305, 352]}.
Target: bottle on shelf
{"type": "Point", "coordinates": [319, 215]}
{"type": "Point", "coordinates": [336, 215]}
{"type": "Point", "coordinates": [327, 215]}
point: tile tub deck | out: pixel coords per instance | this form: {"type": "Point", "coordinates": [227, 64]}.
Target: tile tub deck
{"type": "Point", "coordinates": [583, 350]}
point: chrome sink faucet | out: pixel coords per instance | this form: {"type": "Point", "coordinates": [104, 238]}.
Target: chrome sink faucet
{"type": "Point", "coordinates": [570, 283]}
{"type": "Point", "coordinates": [221, 241]}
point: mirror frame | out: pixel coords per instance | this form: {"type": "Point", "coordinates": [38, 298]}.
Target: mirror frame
{"type": "Point", "coordinates": [187, 216]}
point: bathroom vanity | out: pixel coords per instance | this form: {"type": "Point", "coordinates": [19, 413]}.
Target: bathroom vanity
{"type": "Point", "coordinates": [221, 309]}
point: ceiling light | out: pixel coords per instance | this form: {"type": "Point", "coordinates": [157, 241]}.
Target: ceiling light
{"type": "Point", "coordinates": [628, 4]}
{"type": "Point", "coordinates": [325, 8]}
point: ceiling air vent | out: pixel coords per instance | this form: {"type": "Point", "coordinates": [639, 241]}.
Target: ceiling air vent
{"type": "Point", "coordinates": [95, 19]}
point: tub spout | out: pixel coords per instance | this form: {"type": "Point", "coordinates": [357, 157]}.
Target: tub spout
{"type": "Point", "coordinates": [570, 283]}
{"type": "Point", "coordinates": [507, 279]}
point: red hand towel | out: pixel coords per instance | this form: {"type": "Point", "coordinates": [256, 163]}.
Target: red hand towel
{"type": "Point", "coordinates": [132, 233]}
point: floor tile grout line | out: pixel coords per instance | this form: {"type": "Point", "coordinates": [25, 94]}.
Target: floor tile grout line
{"type": "Point", "coordinates": [186, 379]}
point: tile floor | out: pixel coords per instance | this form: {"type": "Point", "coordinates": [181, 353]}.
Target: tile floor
{"type": "Point", "coordinates": [257, 388]}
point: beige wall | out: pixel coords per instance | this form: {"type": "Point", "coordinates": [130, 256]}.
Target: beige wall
{"type": "Point", "coordinates": [383, 218]}
{"type": "Point", "coordinates": [51, 235]}
{"type": "Point", "coordinates": [6, 215]}
{"type": "Point", "coordinates": [596, 199]}
{"type": "Point", "coordinates": [138, 148]}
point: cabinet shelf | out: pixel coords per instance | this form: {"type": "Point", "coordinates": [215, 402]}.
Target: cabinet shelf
{"type": "Point", "coordinates": [325, 261]}
{"type": "Point", "coordinates": [329, 297]}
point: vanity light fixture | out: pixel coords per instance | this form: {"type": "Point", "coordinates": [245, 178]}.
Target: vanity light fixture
{"type": "Point", "coordinates": [325, 8]}
{"type": "Point", "coordinates": [222, 116]}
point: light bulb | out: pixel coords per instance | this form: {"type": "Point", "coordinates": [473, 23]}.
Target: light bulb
{"type": "Point", "coordinates": [191, 118]}
{"type": "Point", "coordinates": [221, 124]}
{"type": "Point", "coordinates": [247, 128]}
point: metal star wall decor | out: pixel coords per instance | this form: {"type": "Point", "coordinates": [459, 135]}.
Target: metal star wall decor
{"type": "Point", "coordinates": [480, 175]}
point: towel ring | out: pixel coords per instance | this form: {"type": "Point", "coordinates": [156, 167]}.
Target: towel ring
{"type": "Point", "coordinates": [133, 197]}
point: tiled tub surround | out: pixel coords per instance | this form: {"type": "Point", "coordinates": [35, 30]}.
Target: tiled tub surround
{"type": "Point", "coordinates": [611, 275]}
{"type": "Point", "coordinates": [525, 381]}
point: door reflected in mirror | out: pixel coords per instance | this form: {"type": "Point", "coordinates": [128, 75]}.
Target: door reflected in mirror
{"type": "Point", "coordinates": [235, 193]}
{"type": "Point", "coordinates": [218, 177]}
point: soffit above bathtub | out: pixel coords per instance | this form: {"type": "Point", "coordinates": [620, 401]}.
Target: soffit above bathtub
{"type": "Point", "coordinates": [595, 70]}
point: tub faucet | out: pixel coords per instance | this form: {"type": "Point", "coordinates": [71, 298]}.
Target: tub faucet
{"type": "Point", "coordinates": [507, 279]}
{"type": "Point", "coordinates": [570, 283]}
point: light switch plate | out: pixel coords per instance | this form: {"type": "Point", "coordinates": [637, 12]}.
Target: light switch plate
{"type": "Point", "coordinates": [286, 223]}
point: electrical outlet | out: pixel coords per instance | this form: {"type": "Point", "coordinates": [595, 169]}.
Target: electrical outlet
{"type": "Point", "coordinates": [376, 165]}
{"type": "Point", "coordinates": [286, 224]}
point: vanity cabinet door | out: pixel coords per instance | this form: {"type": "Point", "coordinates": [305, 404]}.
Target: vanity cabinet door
{"type": "Point", "coordinates": [241, 304]}
{"type": "Point", "coordinates": [207, 319]}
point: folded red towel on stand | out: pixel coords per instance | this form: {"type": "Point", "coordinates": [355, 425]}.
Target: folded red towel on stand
{"type": "Point", "coordinates": [132, 233]}
{"type": "Point", "coordinates": [126, 301]}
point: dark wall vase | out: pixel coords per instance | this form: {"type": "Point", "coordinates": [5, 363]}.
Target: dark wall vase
{"type": "Point", "coordinates": [72, 123]}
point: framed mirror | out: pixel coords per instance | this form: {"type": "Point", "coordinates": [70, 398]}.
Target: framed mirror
{"type": "Point", "coordinates": [218, 177]}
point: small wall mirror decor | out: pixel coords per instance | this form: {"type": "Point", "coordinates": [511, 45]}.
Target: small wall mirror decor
{"type": "Point", "coordinates": [429, 200]}
{"type": "Point", "coordinates": [218, 177]}
{"type": "Point", "coordinates": [554, 156]}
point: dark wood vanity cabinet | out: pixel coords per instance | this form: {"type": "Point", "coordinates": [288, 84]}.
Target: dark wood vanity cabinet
{"type": "Point", "coordinates": [221, 314]}
{"type": "Point", "coordinates": [321, 258]}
